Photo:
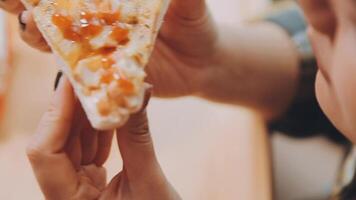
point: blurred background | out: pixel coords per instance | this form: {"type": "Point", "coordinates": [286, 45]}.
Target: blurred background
{"type": "Point", "coordinates": [208, 151]}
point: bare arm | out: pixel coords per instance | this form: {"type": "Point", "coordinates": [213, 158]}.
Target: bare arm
{"type": "Point", "coordinates": [255, 66]}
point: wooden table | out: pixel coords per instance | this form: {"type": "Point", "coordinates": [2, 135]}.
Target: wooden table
{"type": "Point", "coordinates": [208, 151]}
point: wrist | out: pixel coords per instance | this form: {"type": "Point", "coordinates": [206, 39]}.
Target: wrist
{"type": "Point", "coordinates": [248, 66]}
{"type": "Point", "coordinates": [211, 80]}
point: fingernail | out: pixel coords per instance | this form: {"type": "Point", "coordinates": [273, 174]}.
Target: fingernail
{"type": "Point", "coordinates": [58, 78]}
{"type": "Point", "coordinates": [21, 20]}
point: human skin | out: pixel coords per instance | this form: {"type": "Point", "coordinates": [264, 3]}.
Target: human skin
{"type": "Point", "coordinates": [196, 56]}
{"type": "Point", "coordinates": [67, 155]}
{"type": "Point", "coordinates": [333, 35]}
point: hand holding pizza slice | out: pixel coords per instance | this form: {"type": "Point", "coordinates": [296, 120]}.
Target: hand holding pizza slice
{"type": "Point", "coordinates": [103, 47]}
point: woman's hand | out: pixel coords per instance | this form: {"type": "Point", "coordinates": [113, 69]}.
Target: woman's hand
{"type": "Point", "coordinates": [182, 54]}
{"type": "Point", "coordinates": [67, 155]}
{"type": "Point", "coordinates": [192, 56]}
{"type": "Point", "coordinates": [13, 6]}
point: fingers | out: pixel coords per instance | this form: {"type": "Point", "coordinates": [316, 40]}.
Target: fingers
{"type": "Point", "coordinates": [141, 169]}
{"type": "Point", "coordinates": [73, 145]}
{"type": "Point", "coordinates": [54, 127]}
{"type": "Point", "coordinates": [189, 22]}
{"type": "Point", "coordinates": [320, 15]}
{"type": "Point", "coordinates": [53, 170]}
{"type": "Point", "coordinates": [89, 143]}
{"type": "Point", "coordinates": [13, 6]}
{"type": "Point", "coordinates": [64, 143]}
{"type": "Point", "coordinates": [30, 33]}
{"type": "Point", "coordinates": [95, 145]}
{"type": "Point", "coordinates": [96, 174]}
{"type": "Point", "coordinates": [104, 147]}
{"type": "Point", "coordinates": [73, 149]}
{"type": "Point", "coordinates": [188, 9]}
{"type": "Point", "coordinates": [136, 147]}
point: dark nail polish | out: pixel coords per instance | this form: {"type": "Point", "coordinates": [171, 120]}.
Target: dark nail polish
{"type": "Point", "coordinates": [22, 24]}
{"type": "Point", "coordinates": [58, 78]}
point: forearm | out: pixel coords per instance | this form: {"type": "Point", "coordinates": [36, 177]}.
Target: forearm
{"type": "Point", "coordinates": [255, 66]}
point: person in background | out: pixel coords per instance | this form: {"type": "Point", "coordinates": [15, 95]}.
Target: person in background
{"type": "Point", "coordinates": [231, 65]}
{"type": "Point", "coordinates": [333, 34]}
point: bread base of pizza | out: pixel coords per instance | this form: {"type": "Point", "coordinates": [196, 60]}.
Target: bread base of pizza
{"type": "Point", "coordinates": [102, 46]}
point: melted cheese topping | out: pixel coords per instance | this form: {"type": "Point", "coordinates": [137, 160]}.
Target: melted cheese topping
{"type": "Point", "coordinates": [98, 35]}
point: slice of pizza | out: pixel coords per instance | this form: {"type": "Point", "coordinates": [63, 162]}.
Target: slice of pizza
{"type": "Point", "coordinates": [103, 47]}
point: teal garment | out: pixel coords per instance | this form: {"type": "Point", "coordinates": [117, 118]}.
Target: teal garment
{"type": "Point", "coordinates": [291, 19]}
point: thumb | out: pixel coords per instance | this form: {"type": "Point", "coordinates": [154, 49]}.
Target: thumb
{"type": "Point", "coordinates": [53, 129]}
{"type": "Point", "coordinates": [188, 9]}
{"type": "Point", "coordinates": [53, 169]}
{"type": "Point", "coordinates": [136, 146]}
